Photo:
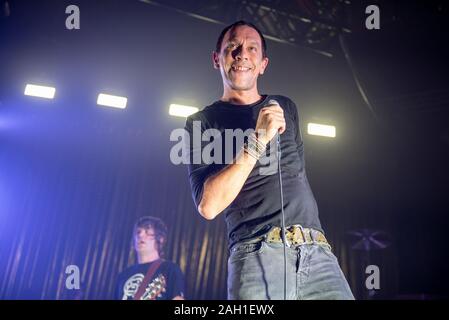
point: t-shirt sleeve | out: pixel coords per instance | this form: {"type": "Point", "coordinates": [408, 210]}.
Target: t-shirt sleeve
{"type": "Point", "coordinates": [295, 116]}
{"type": "Point", "coordinates": [198, 170]}
{"type": "Point", "coordinates": [297, 128]}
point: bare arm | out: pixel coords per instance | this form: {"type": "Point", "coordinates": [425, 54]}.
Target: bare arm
{"type": "Point", "coordinates": [221, 189]}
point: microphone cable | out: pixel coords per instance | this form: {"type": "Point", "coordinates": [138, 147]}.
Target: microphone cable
{"type": "Point", "coordinates": [281, 194]}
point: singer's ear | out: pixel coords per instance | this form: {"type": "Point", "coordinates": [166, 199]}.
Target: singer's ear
{"type": "Point", "coordinates": [215, 60]}
{"type": "Point", "coordinates": [263, 65]}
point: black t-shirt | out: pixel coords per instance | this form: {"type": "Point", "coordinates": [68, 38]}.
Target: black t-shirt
{"type": "Point", "coordinates": [257, 207]}
{"type": "Point", "coordinates": [166, 283]}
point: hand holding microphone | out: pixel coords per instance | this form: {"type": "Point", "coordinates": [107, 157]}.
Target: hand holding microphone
{"type": "Point", "coordinates": [270, 121]}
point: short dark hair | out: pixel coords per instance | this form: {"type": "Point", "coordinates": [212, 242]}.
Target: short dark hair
{"type": "Point", "coordinates": [159, 227]}
{"type": "Point", "coordinates": [238, 24]}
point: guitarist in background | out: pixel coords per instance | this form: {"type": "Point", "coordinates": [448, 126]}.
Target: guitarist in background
{"type": "Point", "coordinates": [152, 278]}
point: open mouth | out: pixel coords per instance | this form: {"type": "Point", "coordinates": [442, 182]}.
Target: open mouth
{"type": "Point", "coordinates": [240, 68]}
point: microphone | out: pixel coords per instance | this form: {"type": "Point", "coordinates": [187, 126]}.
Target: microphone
{"type": "Point", "coordinates": [273, 102]}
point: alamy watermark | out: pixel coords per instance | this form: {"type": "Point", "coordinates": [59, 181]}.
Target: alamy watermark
{"type": "Point", "coordinates": [372, 22]}
{"type": "Point", "coordinates": [72, 282]}
{"type": "Point", "coordinates": [372, 282]}
{"type": "Point", "coordinates": [212, 146]}
{"type": "Point", "coordinates": [73, 20]}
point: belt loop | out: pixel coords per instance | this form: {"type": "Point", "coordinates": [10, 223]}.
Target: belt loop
{"type": "Point", "coordinates": [303, 234]}
{"type": "Point", "coordinates": [313, 236]}
{"type": "Point", "coordinates": [308, 235]}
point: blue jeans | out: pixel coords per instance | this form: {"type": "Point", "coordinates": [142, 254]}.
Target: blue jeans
{"type": "Point", "coordinates": [256, 271]}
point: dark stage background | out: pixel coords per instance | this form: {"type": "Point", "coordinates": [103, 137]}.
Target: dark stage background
{"type": "Point", "coordinates": [74, 176]}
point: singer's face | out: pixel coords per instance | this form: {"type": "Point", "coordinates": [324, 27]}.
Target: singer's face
{"type": "Point", "coordinates": [241, 60]}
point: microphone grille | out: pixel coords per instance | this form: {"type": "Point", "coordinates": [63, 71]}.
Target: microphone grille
{"type": "Point", "coordinates": [272, 101]}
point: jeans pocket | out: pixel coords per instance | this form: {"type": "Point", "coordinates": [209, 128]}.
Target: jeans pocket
{"type": "Point", "coordinates": [245, 250]}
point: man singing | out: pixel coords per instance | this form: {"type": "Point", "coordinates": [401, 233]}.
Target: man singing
{"type": "Point", "coordinates": [247, 192]}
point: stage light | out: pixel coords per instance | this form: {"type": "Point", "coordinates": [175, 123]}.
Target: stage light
{"type": "Point", "coordinates": [321, 130]}
{"type": "Point", "coordinates": [111, 101]}
{"type": "Point", "coordinates": [39, 91]}
{"type": "Point", "coordinates": [179, 110]}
